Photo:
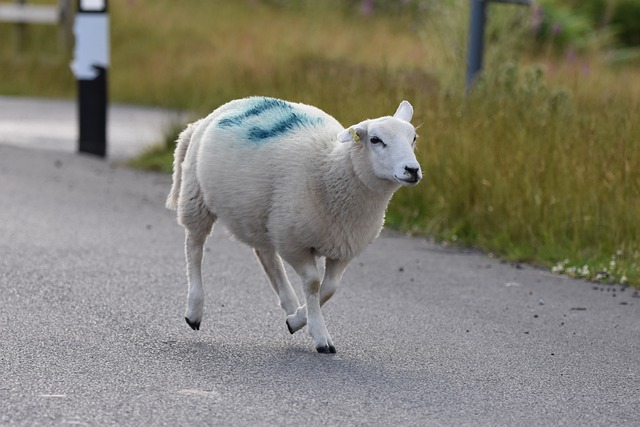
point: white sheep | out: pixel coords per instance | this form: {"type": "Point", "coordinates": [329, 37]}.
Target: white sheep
{"type": "Point", "coordinates": [288, 180]}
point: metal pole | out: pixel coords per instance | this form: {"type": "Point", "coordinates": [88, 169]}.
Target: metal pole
{"type": "Point", "coordinates": [476, 37]}
{"type": "Point", "coordinates": [476, 42]}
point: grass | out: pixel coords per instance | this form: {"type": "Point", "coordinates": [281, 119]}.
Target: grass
{"type": "Point", "coordinates": [541, 163]}
{"type": "Point", "coordinates": [534, 175]}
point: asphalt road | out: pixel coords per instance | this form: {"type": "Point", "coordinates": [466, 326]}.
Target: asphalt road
{"type": "Point", "coordinates": [92, 289]}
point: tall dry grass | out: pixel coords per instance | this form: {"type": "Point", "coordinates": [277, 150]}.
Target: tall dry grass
{"type": "Point", "coordinates": [210, 52]}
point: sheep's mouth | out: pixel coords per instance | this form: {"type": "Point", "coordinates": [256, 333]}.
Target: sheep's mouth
{"type": "Point", "coordinates": [408, 182]}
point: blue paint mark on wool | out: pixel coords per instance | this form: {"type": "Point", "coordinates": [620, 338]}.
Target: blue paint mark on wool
{"type": "Point", "coordinates": [268, 118]}
{"type": "Point", "coordinates": [295, 120]}
{"type": "Point", "coordinates": [263, 105]}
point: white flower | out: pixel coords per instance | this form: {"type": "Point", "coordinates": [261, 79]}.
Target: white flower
{"type": "Point", "coordinates": [584, 271]}
{"type": "Point", "coordinates": [559, 267]}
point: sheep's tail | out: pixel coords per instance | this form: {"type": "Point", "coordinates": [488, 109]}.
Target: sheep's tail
{"type": "Point", "coordinates": [178, 158]}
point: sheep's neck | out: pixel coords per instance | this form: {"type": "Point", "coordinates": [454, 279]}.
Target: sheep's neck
{"type": "Point", "coordinates": [348, 196]}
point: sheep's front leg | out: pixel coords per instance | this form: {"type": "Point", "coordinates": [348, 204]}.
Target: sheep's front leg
{"type": "Point", "coordinates": [332, 276]}
{"type": "Point", "coordinates": [305, 266]}
{"type": "Point", "coordinates": [333, 273]}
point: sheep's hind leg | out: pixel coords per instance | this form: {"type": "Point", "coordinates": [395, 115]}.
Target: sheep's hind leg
{"type": "Point", "coordinates": [273, 267]}
{"type": "Point", "coordinates": [195, 295]}
{"type": "Point", "coordinates": [305, 266]}
{"type": "Point", "coordinates": [333, 274]}
{"type": "Point", "coordinates": [196, 235]}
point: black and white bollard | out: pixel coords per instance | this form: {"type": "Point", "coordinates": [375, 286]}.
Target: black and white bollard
{"type": "Point", "coordinates": [90, 65]}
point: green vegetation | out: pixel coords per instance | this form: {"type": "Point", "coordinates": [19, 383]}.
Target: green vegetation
{"type": "Point", "coordinates": [541, 163]}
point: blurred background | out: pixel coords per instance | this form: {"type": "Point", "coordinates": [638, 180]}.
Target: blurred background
{"type": "Point", "coordinates": [539, 163]}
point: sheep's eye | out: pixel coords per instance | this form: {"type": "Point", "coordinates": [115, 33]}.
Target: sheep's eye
{"type": "Point", "coordinates": [376, 140]}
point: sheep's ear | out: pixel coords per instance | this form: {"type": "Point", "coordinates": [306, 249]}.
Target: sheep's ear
{"type": "Point", "coordinates": [353, 133]}
{"type": "Point", "coordinates": [404, 111]}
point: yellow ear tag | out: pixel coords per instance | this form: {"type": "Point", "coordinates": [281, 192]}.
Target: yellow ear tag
{"type": "Point", "coordinates": [355, 136]}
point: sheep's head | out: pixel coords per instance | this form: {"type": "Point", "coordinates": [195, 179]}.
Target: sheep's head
{"type": "Point", "coordinates": [389, 143]}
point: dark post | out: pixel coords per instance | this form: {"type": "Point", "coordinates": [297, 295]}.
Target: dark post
{"type": "Point", "coordinates": [476, 41]}
{"type": "Point", "coordinates": [476, 37]}
{"type": "Point", "coordinates": [90, 66]}
{"type": "Point", "coordinates": [20, 31]}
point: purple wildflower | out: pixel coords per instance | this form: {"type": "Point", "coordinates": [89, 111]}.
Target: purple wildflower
{"type": "Point", "coordinates": [366, 7]}
{"type": "Point", "coordinates": [537, 16]}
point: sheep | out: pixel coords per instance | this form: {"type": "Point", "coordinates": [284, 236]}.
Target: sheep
{"type": "Point", "coordinates": [288, 180]}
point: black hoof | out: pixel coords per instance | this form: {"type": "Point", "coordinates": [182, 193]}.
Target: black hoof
{"type": "Point", "coordinates": [326, 349]}
{"type": "Point", "coordinates": [194, 325]}
{"type": "Point", "coordinates": [291, 331]}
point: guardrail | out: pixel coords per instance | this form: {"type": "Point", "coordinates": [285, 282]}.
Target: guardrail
{"type": "Point", "coordinates": [20, 13]}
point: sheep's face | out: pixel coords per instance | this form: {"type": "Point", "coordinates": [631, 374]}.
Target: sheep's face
{"type": "Point", "coordinates": [389, 143]}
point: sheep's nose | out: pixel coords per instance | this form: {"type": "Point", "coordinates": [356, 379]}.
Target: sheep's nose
{"type": "Point", "coordinates": [413, 172]}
